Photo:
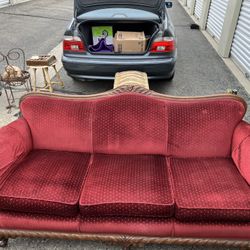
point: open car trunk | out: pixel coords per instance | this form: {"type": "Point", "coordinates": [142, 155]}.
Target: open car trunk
{"type": "Point", "coordinates": [150, 29]}
{"type": "Point", "coordinates": [154, 6]}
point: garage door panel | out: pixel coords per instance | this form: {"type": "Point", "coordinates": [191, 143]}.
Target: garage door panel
{"type": "Point", "coordinates": [216, 17]}
{"type": "Point", "coordinates": [243, 64]}
{"type": "Point", "coordinates": [198, 8]}
{"type": "Point", "coordinates": [240, 51]}
{"type": "Point", "coordinates": [241, 40]}
{"type": "Point", "coordinates": [4, 2]}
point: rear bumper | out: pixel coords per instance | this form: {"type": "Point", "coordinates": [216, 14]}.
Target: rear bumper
{"type": "Point", "coordinates": [106, 67]}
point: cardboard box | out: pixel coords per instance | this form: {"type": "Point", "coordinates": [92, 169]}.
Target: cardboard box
{"type": "Point", "coordinates": [129, 42]}
{"type": "Point", "coordinates": [99, 32]}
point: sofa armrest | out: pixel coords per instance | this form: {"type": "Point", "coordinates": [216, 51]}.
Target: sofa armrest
{"type": "Point", "coordinates": [15, 144]}
{"type": "Point", "coordinates": [241, 149]}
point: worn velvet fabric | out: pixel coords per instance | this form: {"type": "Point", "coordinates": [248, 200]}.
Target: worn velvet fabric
{"type": "Point", "coordinates": [45, 182]}
{"type": "Point", "coordinates": [59, 124]}
{"type": "Point", "coordinates": [39, 222]}
{"type": "Point", "coordinates": [138, 226]}
{"type": "Point", "coordinates": [210, 189]}
{"type": "Point", "coordinates": [125, 164]}
{"type": "Point", "coordinates": [121, 225]}
{"type": "Point", "coordinates": [212, 230]}
{"type": "Point", "coordinates": [132, 123]}
{"type": "Point", "coordinates": [162, 227]}
{"type": "Point", "coordinates": [15, 144]}
{"type": "Point", "coordinates": [128, 124]}
{"type": "Point", "coordinates": [127, 185]}
{"type": "Point", "coordinates": [203, 127]}
{"type": "Point", "coordinates": [241, 149]}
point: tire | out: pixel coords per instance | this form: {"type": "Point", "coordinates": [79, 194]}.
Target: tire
{"type": "Point", "coordinates": [73, 78]}
{"type": "Point", "coordinates": [81, 79]}
{"type": "Point", "coordinates": [170, 79]}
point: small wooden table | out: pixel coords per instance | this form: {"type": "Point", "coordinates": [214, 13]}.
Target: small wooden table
{"type": "Point", "coordinates": [131, 78]}
{"type": "Point", "coordinates": [44, 63]}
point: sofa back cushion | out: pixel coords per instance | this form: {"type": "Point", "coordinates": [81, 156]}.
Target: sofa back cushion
{"type": "Point", "coordinates": [59, 124]}
{"type": "Point", "coordinates": [134, 123]}
{"type": "Point", "coordinates": [203, 127]}
{"type": "Point", "coordinates": [130, 124]}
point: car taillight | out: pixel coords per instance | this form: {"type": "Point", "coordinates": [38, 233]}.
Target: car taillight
{"type": "Point", "coordinates": [73, 43]}
{"type": "Point", "coordinates": [163, 45]}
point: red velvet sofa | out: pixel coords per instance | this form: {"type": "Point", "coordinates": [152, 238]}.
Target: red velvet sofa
{"type": "Point", "coordinates": [129, 166]}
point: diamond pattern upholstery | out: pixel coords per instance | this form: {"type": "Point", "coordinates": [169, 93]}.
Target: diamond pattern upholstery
{"type": "Point", "coordinates": [241, 149]}
{"type": "Point", "coordinates": [197, 128]}
{"type": "Point", "coordinates": [59, 124]}
{"type": "Point", "coordinates": [210, 189]}
{"type": "Point", "coordinates": [130, 124]}
{"type": "Point", "coordinates": [127, 185]}
{"type": "Point", "coordinates": [45, 182]}
{"type": "Point", "coordinates": [99, 164]}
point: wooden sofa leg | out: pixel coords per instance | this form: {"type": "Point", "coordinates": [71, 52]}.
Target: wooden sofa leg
{"type": "Point", "coordinates": [3, 242]}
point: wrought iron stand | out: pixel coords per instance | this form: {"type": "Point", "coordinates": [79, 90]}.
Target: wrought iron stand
{"type": "Point", "coordinates": [10, 82]}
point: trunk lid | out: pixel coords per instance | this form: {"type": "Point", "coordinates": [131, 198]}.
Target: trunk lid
{"type": "Point", "coordinates": [118, 14]}
{"type": "Point", "coordinates": [154, 6]}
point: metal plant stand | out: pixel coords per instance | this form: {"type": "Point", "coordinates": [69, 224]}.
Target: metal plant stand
{"type": "Point", "coordinates": [9, 81]}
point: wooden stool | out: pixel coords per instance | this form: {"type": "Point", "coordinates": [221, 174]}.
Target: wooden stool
{"type": "Point", "coordinates": [44, 63]}
{"type": "Point", "coordinates": [131, 78]}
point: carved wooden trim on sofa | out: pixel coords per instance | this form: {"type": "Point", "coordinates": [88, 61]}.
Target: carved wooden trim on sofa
{"type": "Point", "coordinates": [134, 89]}
{"type": "Point", "coordinates": [124, 240]}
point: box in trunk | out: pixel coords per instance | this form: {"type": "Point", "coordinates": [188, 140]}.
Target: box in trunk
{"type": "Point", "coordinates": [129, 42]}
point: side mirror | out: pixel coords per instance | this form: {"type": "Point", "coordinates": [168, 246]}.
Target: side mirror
{"type": "Point", "coordinates": [168, 4]}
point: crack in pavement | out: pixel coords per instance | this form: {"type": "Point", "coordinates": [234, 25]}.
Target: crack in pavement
{"type": "Point", "coordinates": [37, 16]}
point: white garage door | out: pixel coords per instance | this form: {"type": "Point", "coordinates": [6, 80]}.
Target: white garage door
{"type": "Point", "coordinates": [189, 3]}
{"type": "Point", "coordinates": [198, 8]}
{"type": "Point", "coordinates": [216, 17]}
{"type": "Point", "coordinates": [4, 2]}
{"type": "Point", "coordinates": [240, 52]}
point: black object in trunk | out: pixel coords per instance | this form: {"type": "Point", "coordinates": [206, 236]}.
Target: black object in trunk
{"type": "Point", "coordinates": [149, 28]}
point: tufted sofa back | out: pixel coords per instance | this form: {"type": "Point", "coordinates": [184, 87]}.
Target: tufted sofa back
{"type": "Point", "coordinates": [134, 123]}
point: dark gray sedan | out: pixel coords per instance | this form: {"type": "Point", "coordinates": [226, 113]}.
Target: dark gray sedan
{"type": "Point", "coordinates": [84, 60]}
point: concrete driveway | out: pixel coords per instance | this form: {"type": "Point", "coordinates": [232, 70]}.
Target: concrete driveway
{"type": "Point", "coordinates": [38, 27]}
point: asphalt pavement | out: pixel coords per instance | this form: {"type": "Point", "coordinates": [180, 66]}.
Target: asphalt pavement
{"type": "Point", "coordinates": [38, 26]}
{"type": "Point", "coordinates": [199, 69]}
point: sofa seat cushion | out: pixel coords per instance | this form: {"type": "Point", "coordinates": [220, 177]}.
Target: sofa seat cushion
{"type": "Point", "coordinates": [46, 182]}
{"type": "Point", "coordinates": [127, 185]}
{"type": "Point", "coordinates": [210, 189]}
